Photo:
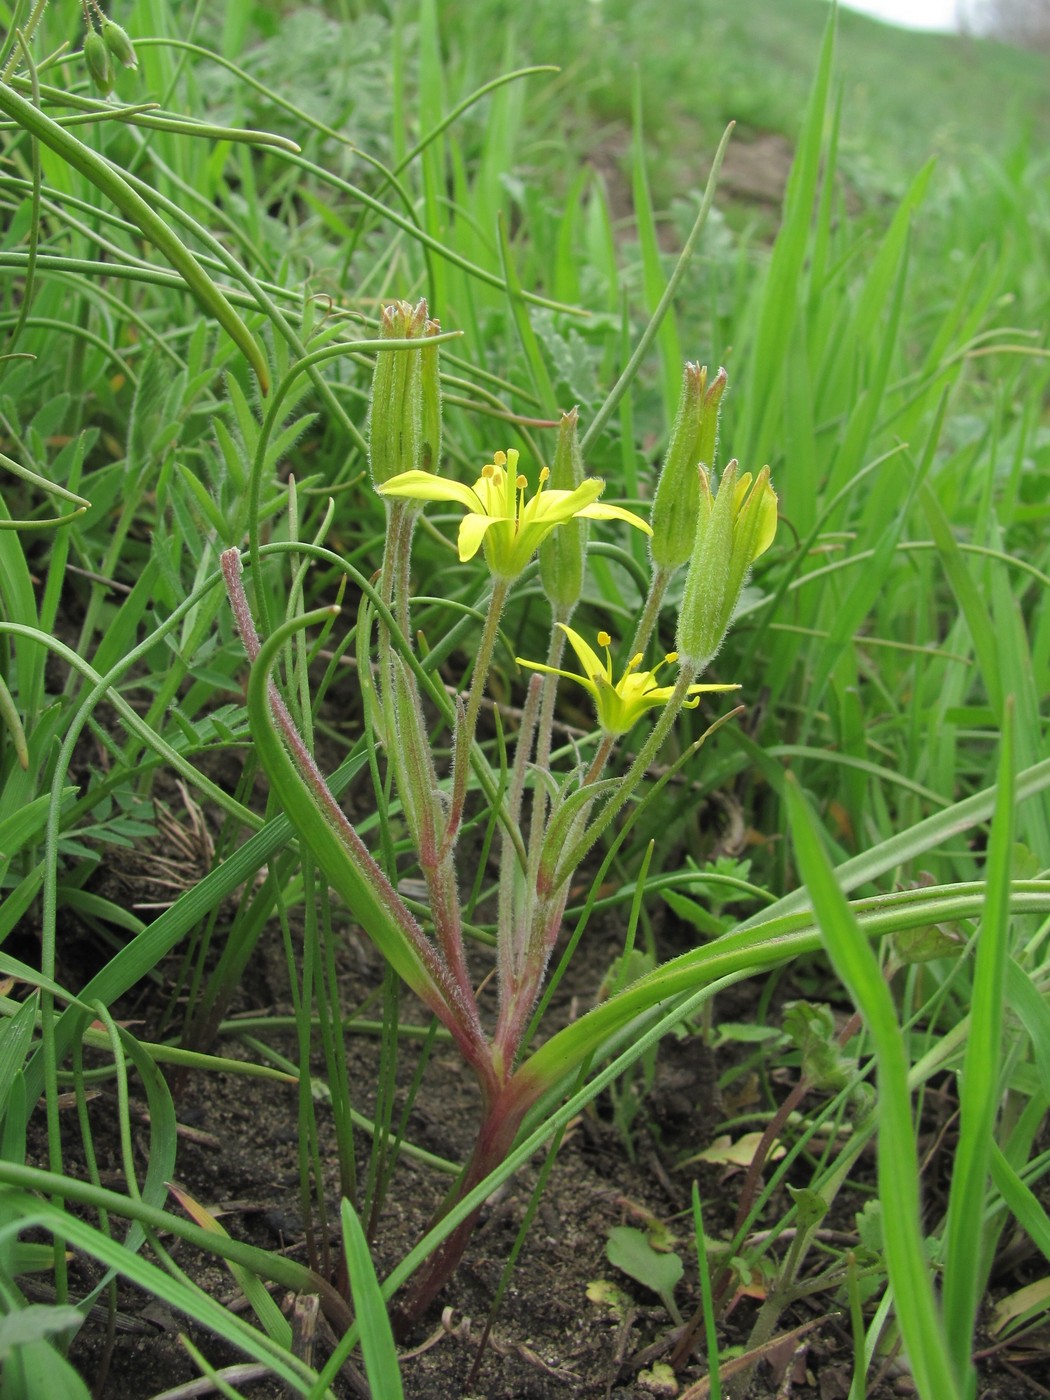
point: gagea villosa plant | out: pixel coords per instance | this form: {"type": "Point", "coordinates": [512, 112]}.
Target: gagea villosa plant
{"type": "Point", "coordinates": [548, 821]}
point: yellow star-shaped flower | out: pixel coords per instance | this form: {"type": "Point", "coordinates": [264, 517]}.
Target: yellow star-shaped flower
{"type": "Point", "coordinates": [500, 518]}
{"type": "Point", "coordinates": [622, 703]}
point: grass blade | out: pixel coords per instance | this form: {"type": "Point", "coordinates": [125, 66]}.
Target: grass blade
{"type": "Point", "coordinates": [906, 1261]}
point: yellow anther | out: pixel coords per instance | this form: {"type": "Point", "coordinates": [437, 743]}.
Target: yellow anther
{"type": "Point", "coordinates": [604, 640]}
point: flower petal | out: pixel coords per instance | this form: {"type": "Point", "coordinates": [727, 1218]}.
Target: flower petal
{"type": "Point", "coordinates": [472, 529]}
{"type": "Point", "coordinates": [554, 671]}
{"type": "Point", "coordinates": [425, 486]}
{"type": "Point", "coordinates": [554, 507]}
{"type": "Point", "coordinates": [593, 665]}
{"type": "Point", "coordinates": [600, 511]}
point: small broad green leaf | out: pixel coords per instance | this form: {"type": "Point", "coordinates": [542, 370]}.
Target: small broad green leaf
{"type": "Point", "coordinates": [660, 1380]}
{"type": "Point", "coordinates": [625, 970]}
{"type": "Point", "coordinates": [743, 1033]}
{"type": "Point", "coordinates": [631, 1251]}
{"type": "Point", "coordinates": [811, 1206]}
{"type": "Point", "coordinates": [869, 1226]}
{"type": "Point", "coordinates": [918, 945]}
{"type": "Point", "coordinates": [692, 913]}
{"type": "Point", "coordinates": [724, 1152]}
{"type": "Point", "coordinates": [603, 1293]}
{"type": "Point", "coordinates": [811, 1028]}
{"type": "Point", "coordinates": [1024, 863]}
{"type": "Point", "coordinates": [35, 1323]}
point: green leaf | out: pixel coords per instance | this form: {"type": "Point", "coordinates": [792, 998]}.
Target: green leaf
{"type": "Point", "coordinates": [921, 1326]}
{"type": "Point", "coordinates": [101, 174]}
{"type": "Point", "coordinates": [377, 1340]}
{"type": "Point", "coordinates": [35, 1323]}
{"type": "Point", "coordinates": [631, 1251]}
{"type": "Point", "coordinates": [812, 1031]}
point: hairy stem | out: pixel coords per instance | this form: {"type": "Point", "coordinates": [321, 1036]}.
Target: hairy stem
{"type": "Point", "coordinates": [466, 724]}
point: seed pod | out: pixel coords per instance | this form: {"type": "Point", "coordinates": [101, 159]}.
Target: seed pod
{"type": "Point", "coordinates": [120, 46]}
{"type": "Point", "coordinates": [98, 61]}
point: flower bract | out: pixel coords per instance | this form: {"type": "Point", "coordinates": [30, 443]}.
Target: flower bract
{"type": "Point", "coordinates": [620, 704]}
{"type": "Point", "coordinates": [501, 518]}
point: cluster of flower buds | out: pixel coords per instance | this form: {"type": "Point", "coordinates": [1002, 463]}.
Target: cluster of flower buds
{"type": "Point", "coordinates": [719, 535]}
{"type": "Point", "coordinates": [103, 48]}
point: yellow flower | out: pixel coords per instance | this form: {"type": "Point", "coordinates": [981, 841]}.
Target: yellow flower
{"type": "Point", "coordinates": [622, 703]}
{"type": "Point", "coordinates": [500, 518]}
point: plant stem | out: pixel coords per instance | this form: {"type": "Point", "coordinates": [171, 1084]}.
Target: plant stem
{"type": "Point", "coordinates": [647, 621]}
{"type": "Point", "coordinates": [637, 771]}
{"type": "Point", "coordinates": [466, 723]}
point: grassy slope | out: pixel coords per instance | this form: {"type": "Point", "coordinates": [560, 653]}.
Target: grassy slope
{"type": "Point", "coordinates": [908, 95]}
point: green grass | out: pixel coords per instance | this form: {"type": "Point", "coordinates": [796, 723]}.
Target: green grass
{"type": "Point", "coordinates": [884, 334]}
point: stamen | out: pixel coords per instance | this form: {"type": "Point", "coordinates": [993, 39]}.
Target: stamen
{"type": "Point", "coordinates": [544, 474]}
{"type": "Point", "coordinates": [521, 481]}
{"type": "Point", "coordinates": [604, 640]}
{"type": "Point", "coordinates": [500, 459]}
{"type": "Point", "coordinates": [635, 661]}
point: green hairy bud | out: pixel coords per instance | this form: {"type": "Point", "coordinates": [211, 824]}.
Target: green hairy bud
{"type": "Point", "coordinates": [396, 426]}
{"type": "Point", "coordinates": [120, 46]}
{"type": "Point", "coordinates": [676, 506]}
{"type": "Point", "coordinates": [563, 553]}
{"type": "Point", "coordinates": [96, 56]}
{"type": "Point", "coordinates": [735, 527]}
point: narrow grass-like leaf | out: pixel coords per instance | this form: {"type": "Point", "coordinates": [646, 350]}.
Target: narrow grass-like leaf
{"type": "Point", "coordinates": [89, 164]}
{"type": "Point", "coordinates": [377, 1340]}
{"type": "Point", "coordinates": [906, 1260]}
{"type": "Point", "coordinates": [272, 1265]}
{"type": "Point", "coordinates": [1022, 1201]}
{"type": "Point", "coordinates": [980, 1086]}
{"type": "Point", "coordinates": [275, 1324]}
{"type": "Point", "coordinates": [177, 1293]}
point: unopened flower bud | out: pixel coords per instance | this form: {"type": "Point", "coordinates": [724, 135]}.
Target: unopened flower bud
{"type": "Point", "coordinates": [676, 506]}
{"type": "Point", "coordinates": [120, 46]}
{"type": "Point", "coordinates": [563, 553]}
{"type": "Point", "coordinates": [98, 61]}
{"type": "Point", "coordinates": [395, 436]}
{"type": "Point", "coordinates": [735, 526]}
